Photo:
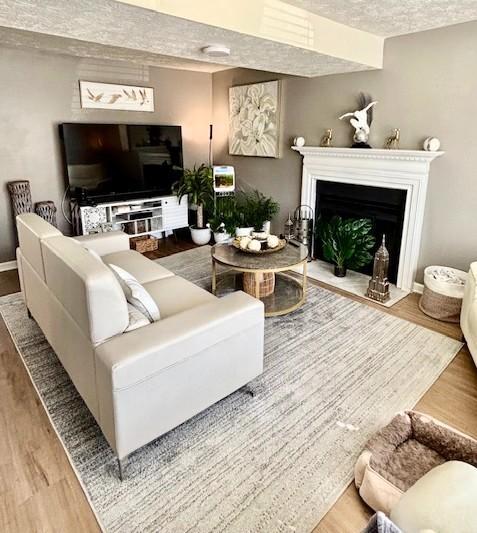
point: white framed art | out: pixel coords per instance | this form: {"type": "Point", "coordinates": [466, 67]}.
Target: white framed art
{"type": "Point", "coordinates": [96, 95]}
{"type": "Point", "coordinates": [254, 119]}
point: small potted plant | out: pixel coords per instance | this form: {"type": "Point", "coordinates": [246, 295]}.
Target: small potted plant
{"type": "Point", "coordinates": [197, 185]}
{"type": "Point", "coordinates": [346, 243]}
{"type": "Point", "coordinates": [219, 229]}
{"type": "Point", "coordinates": [256, 211]}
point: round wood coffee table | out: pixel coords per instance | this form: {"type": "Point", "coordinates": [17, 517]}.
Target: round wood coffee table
{"type": "Point", "coordinates": [288, 293]}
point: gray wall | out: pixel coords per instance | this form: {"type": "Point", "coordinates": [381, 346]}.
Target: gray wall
{"type": "Point", "coordinates": [428, 87]}
{"type": "Point", "coordinates": [38, 91]}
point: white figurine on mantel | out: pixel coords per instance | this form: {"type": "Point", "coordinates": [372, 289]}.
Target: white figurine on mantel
{"type": "Point", "coordinates": [360, 122]}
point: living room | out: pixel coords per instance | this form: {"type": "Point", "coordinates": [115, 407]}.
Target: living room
{"type": "Point", "coordinates": [238, 266]}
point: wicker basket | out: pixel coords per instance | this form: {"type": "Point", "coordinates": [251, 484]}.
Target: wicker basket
{"type": "Point", "coordinates": [147, 243]}
{"type": "Point", "coordinates": [442, 300]}
{"type": "Point", "coordinates": [20, 196]}
{"type": "Point", "coordinates": [47, 211]}
{"type": "Point", "coordinates": [266, 283]}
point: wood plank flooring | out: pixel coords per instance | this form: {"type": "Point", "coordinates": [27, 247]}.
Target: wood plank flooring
{"type": "Point", "coordinates": [39, 491]}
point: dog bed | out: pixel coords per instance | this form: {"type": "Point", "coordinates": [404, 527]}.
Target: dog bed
{"type": "Point", "coordinates": [406, 449]}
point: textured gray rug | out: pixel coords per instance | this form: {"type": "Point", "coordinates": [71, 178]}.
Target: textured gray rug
{"type": "Point", "coordinates": [335, 371]}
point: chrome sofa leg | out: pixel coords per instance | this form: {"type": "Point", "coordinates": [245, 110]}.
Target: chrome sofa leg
{"type": "Point", "coordinates": [247, 389]}
{"type": "Point", "coordinates": [122, 467]}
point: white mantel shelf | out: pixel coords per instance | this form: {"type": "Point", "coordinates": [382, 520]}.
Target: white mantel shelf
{"type": "Point", "coordinates": [368, 153]}
{"type": "Point", "coordinates": [393, 169]}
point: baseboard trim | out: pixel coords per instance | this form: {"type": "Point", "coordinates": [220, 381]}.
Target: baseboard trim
{"type": "Point", "coordinates": [418, 287]}
{"type": "Point", "coordinates": [8, 265]}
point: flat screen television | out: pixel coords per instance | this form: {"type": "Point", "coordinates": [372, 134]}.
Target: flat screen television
{"type": "Point", "coordinates": [108, 162]}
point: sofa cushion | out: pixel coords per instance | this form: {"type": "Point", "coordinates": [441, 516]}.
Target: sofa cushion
{"type": "Point", "coordinates": [136, 294]}
{"type": "Point", "coordinates": [174, 295]}
{"type": "Point", "coordinates": [136, 319]}
{"type": "Point", "coordinates": [443, 500]}
{"type": "Point", "coordinates": [32, 229]}
{"type": "Point", "coordinates": [143, 269]}
{"type": "Point", "coordinates": [86, 288]}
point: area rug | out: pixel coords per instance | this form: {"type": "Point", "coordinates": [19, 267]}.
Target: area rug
{"type": "Point", "coordinates": [335, 371]}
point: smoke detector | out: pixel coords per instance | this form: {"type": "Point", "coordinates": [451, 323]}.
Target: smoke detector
{"type": "Point", "coordinates": [216, 50]}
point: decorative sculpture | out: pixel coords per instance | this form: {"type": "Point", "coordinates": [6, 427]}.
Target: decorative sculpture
{"type": "Point", "coordinates": [392, 142]}
{"type": "Point", "coordinates": [289, 228]}
{"type": "Point", "coordinates": [327, 139]}
{"type": "Point", "coordinates": [378, 288]}
{"type": "Point", "coordinates": [361, 121]}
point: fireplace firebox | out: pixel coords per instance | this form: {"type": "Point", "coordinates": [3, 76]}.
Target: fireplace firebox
{"type": "Point", "coordinates": [385, 207]}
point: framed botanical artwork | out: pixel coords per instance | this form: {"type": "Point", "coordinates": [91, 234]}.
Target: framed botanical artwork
{"type": "Point", "coordinates": [95, 95]}
{"type": "Point", "coordinates": [254, 114]}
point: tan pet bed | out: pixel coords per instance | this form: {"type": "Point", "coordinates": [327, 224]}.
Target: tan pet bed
{"type": "Point", "coordinates": [402, 452]}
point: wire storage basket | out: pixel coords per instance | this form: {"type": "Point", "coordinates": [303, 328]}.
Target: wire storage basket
{"type": "Point", "coordinates": [20, 196]}
{"type": "Point", "coordinates": [47, 211]}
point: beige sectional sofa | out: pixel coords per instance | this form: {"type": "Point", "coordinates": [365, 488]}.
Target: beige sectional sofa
{"type": "Point", "coordinates": [138, 383]}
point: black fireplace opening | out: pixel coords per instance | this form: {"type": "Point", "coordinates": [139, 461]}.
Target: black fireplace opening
{"type": "Point", "coordinates": [384, 207]}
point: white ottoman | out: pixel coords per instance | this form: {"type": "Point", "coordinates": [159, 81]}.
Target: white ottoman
{"type": "Point", "coordinates": [443, 501]}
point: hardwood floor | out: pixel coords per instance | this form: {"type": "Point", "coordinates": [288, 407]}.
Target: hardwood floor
{"type": "Point", "coordinates": [39, 491]}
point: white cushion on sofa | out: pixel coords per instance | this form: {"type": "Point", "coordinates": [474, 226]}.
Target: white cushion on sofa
{"type": "Point", "coordinates": [136, 294]}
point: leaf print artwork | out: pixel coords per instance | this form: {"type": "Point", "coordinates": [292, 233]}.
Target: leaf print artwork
{"type": "Point", "coordinates": [98, 95]}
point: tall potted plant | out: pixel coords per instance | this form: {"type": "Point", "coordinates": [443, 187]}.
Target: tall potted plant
{"type": "Point", "coordinates": [346, 242]}
{"type": "Point", "coordinates": [197, 185]}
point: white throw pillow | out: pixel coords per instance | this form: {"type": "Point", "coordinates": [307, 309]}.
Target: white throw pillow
{"type": "Point", "coordinates": [136, 294]}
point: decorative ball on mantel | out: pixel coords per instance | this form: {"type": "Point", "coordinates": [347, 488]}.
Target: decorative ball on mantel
{"type": "Point", "coordinates": [431, 144]}
{"type": "Point", "coordinates": [299, 141]}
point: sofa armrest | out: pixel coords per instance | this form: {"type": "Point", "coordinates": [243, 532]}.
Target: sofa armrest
{"type": "Point", "coordinates": [133, 357]}
{"type": "Point", "coordinates": [105, 243]}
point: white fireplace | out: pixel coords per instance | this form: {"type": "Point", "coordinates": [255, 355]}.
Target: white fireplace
{"type": "Point", "coordinates": [394, 169]}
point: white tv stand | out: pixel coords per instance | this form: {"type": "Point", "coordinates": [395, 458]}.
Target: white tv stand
{"type": "Point", "coordinates": [147, 216]}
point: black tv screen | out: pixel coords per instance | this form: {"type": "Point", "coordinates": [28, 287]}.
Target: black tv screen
{"type": "Point", "coordinates": [121, 161]}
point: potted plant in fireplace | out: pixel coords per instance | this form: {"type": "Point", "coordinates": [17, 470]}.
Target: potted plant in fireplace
{"type": "Point", "coordinates": [346, 243]}
{"type": "Point", "coordinates": [197, 185]}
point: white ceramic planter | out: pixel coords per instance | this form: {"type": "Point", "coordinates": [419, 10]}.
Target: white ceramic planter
{"type": "Point", "coordinates": [243, 232]}
{"type": "Point", "coordinates": [266, 226]}
{"type": "Point", "coordinates": [200, 236]}
{"type": "Point", "coordinates": [221, 237]}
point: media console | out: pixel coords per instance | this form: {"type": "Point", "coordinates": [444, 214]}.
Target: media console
{"type": "Point", "coordinates": [149, 216]}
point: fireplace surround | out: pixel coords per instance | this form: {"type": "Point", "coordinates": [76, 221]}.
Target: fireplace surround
{"type": "Point", "coordinates": [405, 170]}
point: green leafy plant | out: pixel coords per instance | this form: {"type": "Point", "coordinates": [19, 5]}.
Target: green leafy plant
{"type": "Point", "coordinates": [225, 213]}
{"type": "Point", "coordinates": [346, 242]}
{"type": "Point", "coordinates": [255, 209]}
{"type": "Point", "coordinates": [197, 184]}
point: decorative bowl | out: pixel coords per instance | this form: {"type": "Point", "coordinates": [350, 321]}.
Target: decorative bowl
{"type": "Point", "coordinates": [265, 250]}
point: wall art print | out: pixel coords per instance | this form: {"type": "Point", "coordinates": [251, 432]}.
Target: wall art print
{"type": "Point", "coordinates": [254, 114]}
{"type": "Point", "coordinates": [96, 95]}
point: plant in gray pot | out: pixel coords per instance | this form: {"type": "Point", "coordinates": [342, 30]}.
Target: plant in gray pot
{"type": "Point", "coordinates": [346, 242]}
{"type": "Point", "coordinates": [197, 185]}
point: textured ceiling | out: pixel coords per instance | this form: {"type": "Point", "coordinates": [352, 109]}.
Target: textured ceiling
{"type": "Point", "coordinates": [73, 47]}
{"type": "Point", "coordinates": [108, 29]}
{"type": "Point", "coordinates": [392, 17]}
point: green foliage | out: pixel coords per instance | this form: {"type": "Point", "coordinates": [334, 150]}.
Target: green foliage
{"type": "Point", "coordinates": [226, 214]}
{"type": "Point", "coordinates": [346, 242]}
{"type": "Point", "coordinates": [254, 208]}
{"type": "Point", "coordinates": [197, 184]}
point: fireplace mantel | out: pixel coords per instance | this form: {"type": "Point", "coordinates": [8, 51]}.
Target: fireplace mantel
{"type": "Point", "coordinates": [394, 169]}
